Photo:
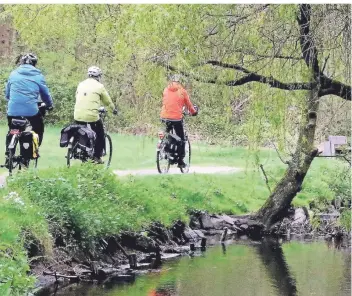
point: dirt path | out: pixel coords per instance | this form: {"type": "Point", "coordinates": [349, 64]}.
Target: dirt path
{"type": "Point", "coordinates": [175, 170]}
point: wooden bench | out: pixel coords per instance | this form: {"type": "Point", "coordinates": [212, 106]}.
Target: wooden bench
{"type": "Point", "coordinates": [333, 146]}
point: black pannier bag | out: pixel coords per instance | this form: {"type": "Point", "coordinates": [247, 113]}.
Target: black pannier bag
{"type": "Point", "coordinates": [86, 139]}
{"type": "Point", "coordinates": [67, 132]}
{"type": "Point", "coordinates": [29, 145]}
{"type": "Point", "coordinates": [172, 144]}
{"type": "Point", "coordinates": [84, 136]}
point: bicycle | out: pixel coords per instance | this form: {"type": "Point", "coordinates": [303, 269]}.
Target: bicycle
{"type": "Point", "coordinates": [167, 150]}
{"type": "Point", "coordinates": [75, 151]}
{"type": "Point", "coordinates": [17, 128]}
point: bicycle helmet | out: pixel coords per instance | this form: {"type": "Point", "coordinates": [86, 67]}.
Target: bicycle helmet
{"type": "Point", "coordinates": [29, 59]}
{"type": "Point", "coordinates": [94, 72]}
{"type": "Point", "coordinates": [176, 78]}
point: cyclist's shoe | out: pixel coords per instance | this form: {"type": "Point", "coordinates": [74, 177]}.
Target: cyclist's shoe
{"type": "Point", "coordinates": [98, 160]}
{"type": "Point", "coordinates": [181, 164]}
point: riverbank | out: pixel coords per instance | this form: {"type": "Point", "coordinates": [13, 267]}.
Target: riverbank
{"type": "Point", "coordinates": [122, 258]}
{"type": "Point", "coordinates": [62, 213]}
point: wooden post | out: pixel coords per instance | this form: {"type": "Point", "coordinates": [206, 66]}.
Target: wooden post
{"type": "Point", "coordinates": [132, 259]}
{"type": "Point", "coordinates": [157, 257]}
{"type": "Point", "coordinates": [224, 234]}
{"type": "Point", "coordinates": [203, 244]}
{"type": "Point", "coordinates": [223, 248]}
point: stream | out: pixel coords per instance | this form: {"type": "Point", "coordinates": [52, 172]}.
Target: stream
{"type": "Point", "coordinates": [243, 269]}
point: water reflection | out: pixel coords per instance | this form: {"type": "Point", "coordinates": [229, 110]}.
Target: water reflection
{"type": "Point", "coordinates": [272, 256]}
{"type": "Point", "coordinates": [164, 289]}
{"type": "Point", "coordinates": [243, 269]}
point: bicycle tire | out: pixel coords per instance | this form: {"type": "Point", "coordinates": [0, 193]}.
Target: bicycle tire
{"type": "Point", "coordinates": [10, 163]}
{"type": "Point", "coordinates": [186, 169]}
{"type": "Point", "coordinates": [158, 165]}
{"type": "Point", "coordinates": [108, 152]}
{"type": "Point", "coordinates": [35, 162]}
{"type": "Point", "coordinates": [68, 157]}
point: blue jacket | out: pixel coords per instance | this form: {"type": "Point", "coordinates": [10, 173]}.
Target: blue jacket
{"type": "Point", "coordinates": [23, 88]}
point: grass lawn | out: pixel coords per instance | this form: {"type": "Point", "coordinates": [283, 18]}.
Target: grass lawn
{"type": "Point", "coordinates": [137, 152]}
{"type": "Point", "coordinates": [241, 192]}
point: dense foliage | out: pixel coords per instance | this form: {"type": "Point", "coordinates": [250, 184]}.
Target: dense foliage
{"type": "Point", "coordinates": [137, 46]}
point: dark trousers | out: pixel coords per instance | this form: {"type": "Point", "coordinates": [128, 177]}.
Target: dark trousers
{"type": "Point", "coordinates": [36, 122]}
{"type": "Point", "coordinates": [178, 127]}
{"type": "Point", "coordinates": [98, 128]}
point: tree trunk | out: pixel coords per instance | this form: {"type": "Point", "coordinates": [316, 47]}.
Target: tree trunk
{"type": "Point", "coordinates": [283, 194]}
{"type": "Point", "coordinates": [291, 183]}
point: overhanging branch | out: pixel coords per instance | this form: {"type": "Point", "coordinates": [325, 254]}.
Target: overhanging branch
{"type": "Point", "coordinates": [251, 77]}
{"type": "Point", "coordinates": [328, 86]}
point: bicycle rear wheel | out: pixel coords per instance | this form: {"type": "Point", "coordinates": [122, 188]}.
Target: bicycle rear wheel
{"type": "Point", "coordinates": [187, 159]}
{"type": "Point", "coordinates": [68, 157]}
{"type": "Point", "coordinates": [107, 155]}
{"type": "Point", "coordinates": [162, 161]}
{"type": "Point", "coordinates": [11, 161]}
{"type": "Point", "coordinates": [34, 162]}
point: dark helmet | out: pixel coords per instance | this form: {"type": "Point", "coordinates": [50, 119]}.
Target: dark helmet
{"type": "Point", "coordinates": [29, 59]}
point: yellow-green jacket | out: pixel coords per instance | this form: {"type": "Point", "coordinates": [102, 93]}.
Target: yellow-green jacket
{"type": "Point", "coordinates": [91, 95]}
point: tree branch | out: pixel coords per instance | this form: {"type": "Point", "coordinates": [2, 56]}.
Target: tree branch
{"type": "Point", "coordinates": [255, 77]}
{"type": "Point", "coordinates": [268, 56]}
{"type": "Point", "coordinates": [329, 86]}
{"type": "Point", "coordinates": [309, 50]}
{"type": "Point", "coordinates": [266, 178]}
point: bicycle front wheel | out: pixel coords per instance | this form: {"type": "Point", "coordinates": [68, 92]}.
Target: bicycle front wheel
{"type": "Point", "coordinates": [162, 161]}
{"type": "Point", "coordinates": [107, 155]}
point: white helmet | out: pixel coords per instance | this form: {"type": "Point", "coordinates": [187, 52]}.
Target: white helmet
{"type": "Point", "coordinates": [94, 72]}
{"type": "Point", "coordinates": [176, 78]}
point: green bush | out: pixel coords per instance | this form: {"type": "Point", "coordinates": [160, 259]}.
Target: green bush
{"type": "Point", "coordinates": [21, 223]}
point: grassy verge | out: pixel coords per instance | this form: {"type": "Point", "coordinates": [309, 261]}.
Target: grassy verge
{"type": "Point", "coordinates": [21, 222]}
{"type": "Point", "coordinates": [134, 152]}
{"type": "Point", "coordinates": [84, 203]}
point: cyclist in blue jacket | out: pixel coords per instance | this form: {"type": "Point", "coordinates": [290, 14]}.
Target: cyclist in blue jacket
{"type": "Point", "coordinates": [23, 89]}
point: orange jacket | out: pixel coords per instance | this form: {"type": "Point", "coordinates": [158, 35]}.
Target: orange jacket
{"type": "Point", "coordinates": [174, 98]}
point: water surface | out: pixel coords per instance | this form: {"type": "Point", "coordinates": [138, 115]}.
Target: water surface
{"type": "Point", "coordinates": [292, 268]}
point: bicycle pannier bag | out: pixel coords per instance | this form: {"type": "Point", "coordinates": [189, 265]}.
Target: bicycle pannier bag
{"type": "Point", "coordinates": [86, 139]}
{"type": "Point", "coordinates": [29, 145]}
{"type": "Point", "coordinates": [172, 144]}
{"type": "Point", "coordinates": [67, 132]}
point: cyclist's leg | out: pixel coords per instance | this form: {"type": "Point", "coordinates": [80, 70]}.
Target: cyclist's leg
{"type": "Point", "coordinates": [178, 126]}
{"type": "Point", "coordinates": [98, 128]}
{"type": "Point", "coordinates": [37, 124]}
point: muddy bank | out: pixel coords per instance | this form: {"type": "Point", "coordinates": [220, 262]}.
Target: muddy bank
{"type": "Point", "coordinates": [123, 257]}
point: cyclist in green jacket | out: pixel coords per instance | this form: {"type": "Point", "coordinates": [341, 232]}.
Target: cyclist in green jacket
{"type": "Point", "coordinates": [90, 95]}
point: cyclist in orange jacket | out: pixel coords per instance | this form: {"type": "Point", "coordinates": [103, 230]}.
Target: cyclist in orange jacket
{"type": "Point", "coordinates": [175, 97]}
